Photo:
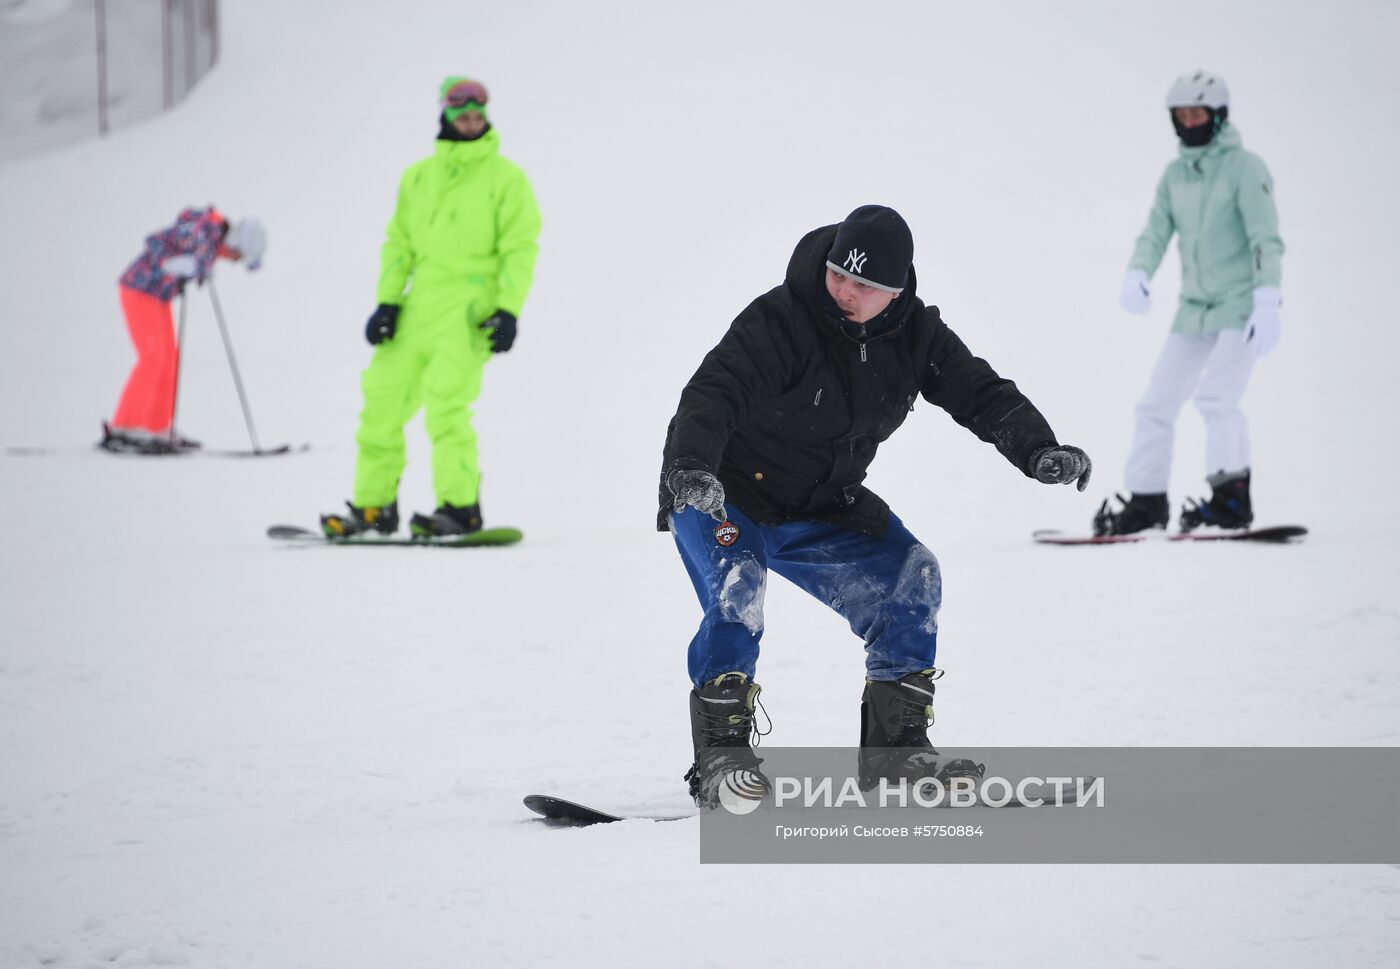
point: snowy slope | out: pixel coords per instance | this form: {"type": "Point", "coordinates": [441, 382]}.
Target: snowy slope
{"type": "Point", "coordinates": [215, 752]}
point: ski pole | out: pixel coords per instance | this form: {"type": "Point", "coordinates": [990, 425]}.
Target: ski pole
{"type": "Point", "coordinates": [179, 352]}
{"type": "Point", "coordinates": [233, 365]}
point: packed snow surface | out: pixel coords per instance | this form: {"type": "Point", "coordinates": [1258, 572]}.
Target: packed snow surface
{"type": "Point", "coordinates": [219, 752]}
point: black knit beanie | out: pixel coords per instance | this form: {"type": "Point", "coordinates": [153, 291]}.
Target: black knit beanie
{"type": "Point", "coordinates": [875, 246]}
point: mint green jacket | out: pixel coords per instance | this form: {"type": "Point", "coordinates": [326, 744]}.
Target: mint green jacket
{"type": "Point", "coordinates": [1219, 200]}
{"type": "Point", "coordinates": [463, 231]}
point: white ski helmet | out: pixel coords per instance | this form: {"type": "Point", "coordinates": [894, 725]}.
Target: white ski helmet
{"type": "Point", "coordinates": [1199, 88]}
{"type": "Point", "coordinates": [250, 239]}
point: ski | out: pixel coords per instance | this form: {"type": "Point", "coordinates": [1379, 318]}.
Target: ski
{"type": "Point", "coordinates": [485, 537]}
{"type": "Point", "coordinates": [557, 812]}
{"type": "Point", "coordinates": [1277, 534]}
{"type": "Point", "coordinates": [267, 452]}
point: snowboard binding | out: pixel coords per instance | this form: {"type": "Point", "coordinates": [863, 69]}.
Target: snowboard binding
{"type": "Point", "coordinates": [1136, 513]}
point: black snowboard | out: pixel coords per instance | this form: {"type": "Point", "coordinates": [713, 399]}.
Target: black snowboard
{"type": "Point", "coordinates": [1277, 534]}
{"type": "Point", "coordinates": [558, 812]}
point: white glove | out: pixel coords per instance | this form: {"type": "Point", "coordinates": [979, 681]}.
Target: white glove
{"type": "Point", "coordinates": [1135, 296]}
{"type": "Point", "coordinates": [1264, 326]}
{"type": "Point", "coordinates": [181, 267]}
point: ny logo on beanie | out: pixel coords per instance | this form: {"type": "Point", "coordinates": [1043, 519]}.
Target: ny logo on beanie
{"type": "Point", "coordinates": [878, 248]}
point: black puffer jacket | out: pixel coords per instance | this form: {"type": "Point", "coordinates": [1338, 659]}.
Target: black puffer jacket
{"type": "Point", "coordinates": [789, 408]}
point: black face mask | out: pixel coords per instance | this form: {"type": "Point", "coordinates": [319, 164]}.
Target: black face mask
{"type": "Point", "coordinates": [1201, 134]}
{"type": "Point", "coordinates": [446, 132]}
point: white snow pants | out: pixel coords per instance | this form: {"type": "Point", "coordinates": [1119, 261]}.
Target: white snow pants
{"type": "Point", "coordinates": [1216, 367]}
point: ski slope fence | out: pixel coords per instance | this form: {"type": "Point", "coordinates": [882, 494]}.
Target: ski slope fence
{"type": "Point", "coordinates": [73, 69]}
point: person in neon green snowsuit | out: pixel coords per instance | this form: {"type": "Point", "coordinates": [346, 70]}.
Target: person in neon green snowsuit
{"type": "Point", "coordinates": [457, 263]}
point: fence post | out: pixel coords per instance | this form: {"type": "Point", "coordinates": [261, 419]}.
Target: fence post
{"type": "Point", "coordinates": [101, 12]}
{"type": "Point", "coordinates": [167, 80]}
{"type": "Point", "coordinates": [211, 12]}
{"type": "Point", "coordinates": [191, 67]}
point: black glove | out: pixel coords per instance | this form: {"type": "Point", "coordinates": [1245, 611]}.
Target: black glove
{"type": "Point", "coordinates": [698, 489]}
{"type": "Point", "coordinates": [186, 280]}
{"type": "Point", "coordinates": [1062, 464]}
{"type": "Point", "coordinates": [501, 327]}
{"type": "Point", "coordinates": [382, 324]}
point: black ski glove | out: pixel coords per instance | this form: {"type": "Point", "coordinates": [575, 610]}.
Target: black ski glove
{"type": "Point", "coordinates": [698, 489]}
{"type": "Point", "coordinates": [501, 328]}
{"type": "Point", "coordinates": [1062, 464]}
{"type": "Point", "coordinates": [382, 324]}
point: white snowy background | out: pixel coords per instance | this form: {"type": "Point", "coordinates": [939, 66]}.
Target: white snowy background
{"type": "Point", "coordinates": [218, 752]}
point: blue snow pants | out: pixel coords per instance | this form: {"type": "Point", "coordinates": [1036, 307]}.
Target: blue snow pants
{"type": "Point", "coordinates": [888, 588]}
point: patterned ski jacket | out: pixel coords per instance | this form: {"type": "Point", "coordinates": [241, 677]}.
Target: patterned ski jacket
{"type": "Point", "coordinates": [790, 407]}
{"type": "Point", "coordinates": [1219, 200]}
{"type": "Point", "coordinates": [196, 232]}
{"type": "Point", "coordinates": [464, 230]}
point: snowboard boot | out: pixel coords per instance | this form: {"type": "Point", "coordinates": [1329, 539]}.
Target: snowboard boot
{"type": "Point", "coordinates": [1139, 513]}
{"type": "Point", "coordinates": [449, 519]}
{"type": "Point", "coordinates": [894, 719]}
{"type": "Point", "coordinates": [1229, 505]}
{"type": "Point", "coordinates": [722, 729]}
{"type": "Point", "coordinates": [383, 519]}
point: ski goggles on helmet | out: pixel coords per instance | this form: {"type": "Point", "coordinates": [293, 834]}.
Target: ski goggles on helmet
{"type": "Point", "coordinates": [463, 93]}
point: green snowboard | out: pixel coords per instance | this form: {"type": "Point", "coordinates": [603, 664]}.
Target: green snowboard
{"type": "Point", "coordinates": [487, 536]}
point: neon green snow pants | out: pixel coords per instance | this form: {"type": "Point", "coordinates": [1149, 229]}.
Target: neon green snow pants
{"type": "Point", "coordinates": [434, 361]}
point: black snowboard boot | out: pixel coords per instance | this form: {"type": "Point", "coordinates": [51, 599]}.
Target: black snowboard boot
{"type": "Point", "coordinates": [722, 729]}
{"type": "Point", "coordinates": [383, 519]}
{"type": "Point", "coordinates": [1229, 505]}
{"type": "Point", "coordinates": [1139, 513]}
{"type": "Point", "coordinates": [894, 719]}
{"type": "Point", "coordinates": [449, 519]}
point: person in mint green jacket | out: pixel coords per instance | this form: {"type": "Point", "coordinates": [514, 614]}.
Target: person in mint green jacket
{"type": "Point", "coordinates": [1218, 199]}
{"type": "Point", "coordinates": [457, 263]}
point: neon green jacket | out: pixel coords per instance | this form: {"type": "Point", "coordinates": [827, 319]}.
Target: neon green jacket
{"type": "Point", "coordinates": [465, 226]}
{"type": "Point", "coordinates": [1219, 199]}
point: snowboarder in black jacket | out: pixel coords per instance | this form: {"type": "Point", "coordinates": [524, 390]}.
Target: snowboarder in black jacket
{"type": "Point", "coordinates": [764, 467]}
